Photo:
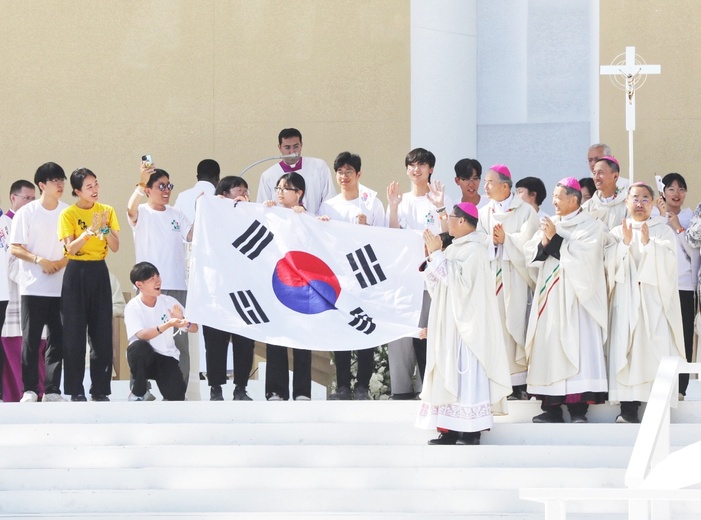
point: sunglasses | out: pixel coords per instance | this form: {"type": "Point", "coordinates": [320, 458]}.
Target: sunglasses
{"type": "Point", "coordinates": [164, 187]}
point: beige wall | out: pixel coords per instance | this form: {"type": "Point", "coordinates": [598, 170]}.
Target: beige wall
{"type": "Point", "coordinates": [99, 83]}
{"type": "Point", "coordinates": [664, 32]}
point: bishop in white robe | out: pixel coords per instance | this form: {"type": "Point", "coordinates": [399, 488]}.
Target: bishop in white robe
{"type": "Point", "coordinates": [467, 376]}
{"type": "Point", "coordinates": [608, 203]}
{"type": "Point", "coordinates": [646, 322]}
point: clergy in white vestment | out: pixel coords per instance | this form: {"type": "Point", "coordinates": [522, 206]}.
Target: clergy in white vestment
{"type": "Point", "coordinates": [608, 203]}
{"type": "Point", "coordinates": [467, 374]}
{"type": "Point", "coordinates": [509, 222]}
{"type": "Point", "coordinates": [569, 316]}
{"type": "Point", "coordinates": [646, 321]}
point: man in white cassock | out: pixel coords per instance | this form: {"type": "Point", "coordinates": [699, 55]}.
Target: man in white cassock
{"type": "Point", "coordinates": [608, 203]}
{"type": "Point", "coordinates": [569, 316]}
{"type": "Point", "coordinates": [467, 375]}
{"type": "Point", "coordinates": [646, 322]}
{"type": "Point", "coordinates": [509, 222]}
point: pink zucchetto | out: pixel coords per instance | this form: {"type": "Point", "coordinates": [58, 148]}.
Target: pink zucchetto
{"type": "Point", "coordinates": [469, 208]}
{"type": "Point", "coordinates": [610, 158]}
{"type": "Point", "coordinates": [571, 182]}
{"type": "Point", "coordinates": [501, 168]}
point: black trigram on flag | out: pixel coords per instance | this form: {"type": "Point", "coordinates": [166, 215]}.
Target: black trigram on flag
{"type": "Point", "coordinates": [248, 308]}
{"type": "Point", "coordinates": [365, 266]}
{"type": "Point", "coordinates": [362, 321]}
{"type": "Point", "coordinates": [253, 240]}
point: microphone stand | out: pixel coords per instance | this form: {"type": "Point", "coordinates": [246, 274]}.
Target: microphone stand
{"type": "Point", "coordinates": [277, 157]}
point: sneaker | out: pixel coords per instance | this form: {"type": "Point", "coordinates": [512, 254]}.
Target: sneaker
{"type": "Point", "coordinates": [579, 419]}
{"type": "Point", "coordinates": [469, 439]}
{"type": "Point", "coordinates": [215, 393]}
{"type": "Point", "coordinates": [29, 397]}
{"type": "Point", "coordinates": [78, 398]}
{"type": "Point", "coordinates": [100, 398]}
{"type": "Point", "coordinates": [134, 398]}
{"type": "Point", "coordinates": [445, 439]}
{"type": "Point", "coordinates": [548, 417]}
{"type": "Point", "coordinates": [275, 397]}
{"type": "Point", "coordinates": [240, 394]}
{"type": "Point", "coordinates": [53, 398]}
{"type": "Point", "coordinates": [360, 393]}
{"type": "Point", "coordinates": [627, 419]}
{"type": "Point", "coordinates": [342, 393]}
{"type": "Point", "coordinates": [302, 398]}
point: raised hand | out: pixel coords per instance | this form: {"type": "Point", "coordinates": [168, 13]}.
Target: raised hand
{"type": "Point", "coordinates": [627, 230]}
{"type": "Point", "coordinates": [394, 195]}
{"type": "Point", "coordinates": [436, 193]}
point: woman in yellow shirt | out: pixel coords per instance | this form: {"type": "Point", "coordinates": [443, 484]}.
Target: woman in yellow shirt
{"type": "Point", "coordinates": [87, 229]}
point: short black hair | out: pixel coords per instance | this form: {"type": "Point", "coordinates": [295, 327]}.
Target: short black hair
{"type": "Point", "coordinates": [49, 171]}
{"type": "Point", "coordinates": [420, 156]}
{"type": "Point", "coordinates": [347, 159]}
{"type": "Point", "coordinates": [465, 167]}
{"type": "Point", "coordinates": [78, 178]}
{"type": "Point", "coordinates": [588, 183]}
{"type": "Point", "coordinates": [535, 185]}
{"type": "Point", "coordinates": [208, 170]}
{"type": "Point", "coordinates": [142, 272]}
{"type": "Point", "coordinates": [286, 133]}
{"type": "Point", "coordinates": [17, 186]}
{"type": "Point", "coordinates": [671, 177]}
{"type": "Point", "coordinates": [157, 174]}
{"type": "Point", "coordinates": [297, 182]}
{"type": "Point", "coordinates": [228, 183]}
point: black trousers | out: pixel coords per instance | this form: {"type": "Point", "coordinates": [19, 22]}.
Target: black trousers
{"type": "Point", "coordinates": [3, 308]}
{"type": "Point", "coordinates": [277, 375]}
{"type": "Point", "coordinates": [688, 305]}
{"type": "Point", "coordinates": [145, 363]}
{"type": "Point", "coordinates": [216, 345]}
{"type": "Point", "coordinates": [37, 312]}
{"type": "Point", "coordinates": [86, 303]}
{"type": "Point", "coordinates": [366, 364]}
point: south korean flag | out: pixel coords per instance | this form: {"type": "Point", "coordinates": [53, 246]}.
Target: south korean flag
{"type": "Point", "coordinates": [289, 279]}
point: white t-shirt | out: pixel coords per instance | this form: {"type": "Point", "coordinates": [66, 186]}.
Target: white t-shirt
{"type": "Point", "coordinates": [419, 213]}
{"type": "Point", "coordinates": [35, 228]}
{"type": "Point", "coordinates": [317, 178]}
{"type": "Point", "coordinates": [338, 208]}
{"type": "Point", "coordinates": [186, 200]}
{"type": "Point", "coordinates": [138, 316]}
{"type": "Point", "coordinates": [5, 225]}
{"type": "Point", "coordinates": [158, 238]}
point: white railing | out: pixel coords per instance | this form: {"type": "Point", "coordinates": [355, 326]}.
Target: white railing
{"type": "Point", "coordinates": [651, 447]}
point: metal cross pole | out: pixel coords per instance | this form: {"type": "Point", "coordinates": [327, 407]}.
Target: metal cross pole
{"type": "Point", "coordinates": [630, 73]}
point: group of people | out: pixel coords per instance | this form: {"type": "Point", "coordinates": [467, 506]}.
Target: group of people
{"type": "Point", "coordinates": [574, 308]}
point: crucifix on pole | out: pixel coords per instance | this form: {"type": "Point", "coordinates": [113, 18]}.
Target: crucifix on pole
{"type": "Point", "coordinates": [629, 75]}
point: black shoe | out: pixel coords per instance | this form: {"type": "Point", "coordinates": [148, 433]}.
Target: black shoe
{"type": "Point", "coordinates": [360, 393]}
{"type": "Point", "coordinates": [627, 419]}
{"type": "Point", "coordinates": [240, 394]}
{"type": "Point", "coordinates": [99, 398]}
{"type": "Point", "coordinates": [469, 439]}
{"type": "Point", "coordinates": [445, 439]}
{"type": "Point", "coordinates": [215, 393]}
{"type": "Point", "coordinates": [548, 417]}
{"type": "Point", "coordinates": [342, 393]}
{"type": "Point", "coordinates": [403, 397]}
{"type": "Point", "coordinates": [578, 419]}
{"type": "Point", "coordinates": [78, 398]}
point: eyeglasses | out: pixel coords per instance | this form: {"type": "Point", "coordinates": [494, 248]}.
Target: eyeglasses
{"type": "Point", "coordinates": [345, 173]}
{"type": "Point", "coordinates": [282, 190]}
{"type": "Point", "coordinates": [643, 202]}
{"type": "Point", "coordinates": [28, 198]}
{"type": "Point", "coordinates": [471, 179]}
{"type": "Point", "coordinates": [164, 187]}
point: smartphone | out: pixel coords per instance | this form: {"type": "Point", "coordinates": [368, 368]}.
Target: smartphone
{"type": "Point", "coordinates": [146, 159]}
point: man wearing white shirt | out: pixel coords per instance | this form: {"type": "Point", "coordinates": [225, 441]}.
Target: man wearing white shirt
{"type": "Point", "coordinates": [207, 179]}
{"type": "Point", "coordinates": [358, 205]}
{"type": "Point", "coordinates": [317, 177]}
{"type": "Point", "coordinates": [160, 231]}
{"type": "Point", "coordinates": [152, 319]}
{"type": "Point", "coordinates": [42, 264]}
{"type": "Point", "coordinates": [424, 207]}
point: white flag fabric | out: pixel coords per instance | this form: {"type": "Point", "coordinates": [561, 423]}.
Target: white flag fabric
{"type": "Point", "coordinates": [289, 279]}
{"type": "Point", "coordinates": [366, 196]}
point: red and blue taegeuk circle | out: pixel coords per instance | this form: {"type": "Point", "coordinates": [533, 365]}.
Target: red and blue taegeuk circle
{"type": "Point", "coordinates": [304, 283]}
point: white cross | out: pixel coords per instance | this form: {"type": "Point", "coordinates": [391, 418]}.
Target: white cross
{"type": "Point", "coordinates": [632, 73]}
